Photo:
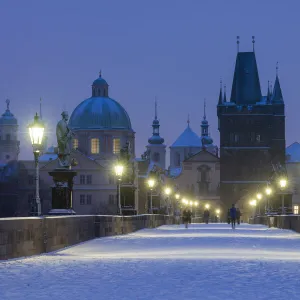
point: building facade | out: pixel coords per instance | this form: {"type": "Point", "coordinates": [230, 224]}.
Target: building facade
{"type": "Point", "coordinates": [252, 132]}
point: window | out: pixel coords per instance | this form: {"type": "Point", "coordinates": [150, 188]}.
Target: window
{"type": "Point", "coordinates": [258, 138]}
{"type": "Point", "coordinates": [75, 143]}
{"type": "Point", "coordinates": [30, 179]}
{"type": "Point", "coordinates": [82, 199]}
{"type": "Point", "coordinates": [89, 179]}
{"type": "Point", "coordinates": [111, 199]}
{"type": "Point", "coordinates": [116, 146]}
{"type": "Point", "coordinates": [95, 149]}
{"type": "Point", "coordinates": [89, 199]}
{"type": "Point", "coordinates": [296, 209]}
{"type": "Point", "coordinates": [82, 179]}
{"type": "Point", "coordinates": [236, 138]}
{"type": "Point", "coordinates": [156, 157]}
{"type": "Point", "coordinates": [177, 159]}
{"type": "Point", "coordinates": [8, 137]}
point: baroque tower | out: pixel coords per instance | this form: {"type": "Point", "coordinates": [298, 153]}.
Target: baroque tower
{"type": "Point", "coordinates": [252, 132]}
{"type": "Point", "coordinates": [9, 143]}
{"type": "Point", "coordinates": [156, 147]}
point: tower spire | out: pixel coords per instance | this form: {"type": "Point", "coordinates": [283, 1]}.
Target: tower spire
{"type": "Point", "coordinates": [238, 44]}
{"type": "Point", "coordinates": [269, 94]}
{"type": "Point", "coordinates": [225, 100]}
{"type": "Point", "coordinates": [155, 108]}
{"type": "Point", "coordinates": [277, 69]}
{"type": "Point", "coordinates": [204, 116]}
{"type": "Point", "coordinates": [253, 42]}
{"type": "Point", "coordinates": [221, 94]}
{"type": "Point", "coordinates": [188, 120]}
{"type": "Point", "coordinates": [100, 73]}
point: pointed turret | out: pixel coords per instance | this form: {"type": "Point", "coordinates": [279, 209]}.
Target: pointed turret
{"type": "Point", "coordinates": [155, 139]}
{"type": "Point", "coordinates": [220, 102]}
{"type": "Point", "coordinates": [204, 123]}
{"type": "Point", "coordinates": [245, 86]}
{"type": "Point", "coordinates": [225, 99]}
{"type": "Point", "coordinates": [277, 93]}
{"type": "Point", "coordinates": [269, 93]}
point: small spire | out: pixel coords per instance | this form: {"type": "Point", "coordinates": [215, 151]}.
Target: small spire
{"type": "Point", "coordinates": [155, 108]}
{"type": "Point", "coordinates": [204, 116]}
{"type": "Point", "coordinates": [271, 88]}
{"type": "Point", "coordinates": [100, 73]}
{"type": "Point", "coordinates": [7, 104]}
{"type": "Point", "coordinates": [238, 43]}
{"type": "Point", "coordinates": [41, 108]}
{"type": "Point", "coordinates": [225, 100]}
{"type": "Point", "coordinates": [188, 120]}
{"type": "Point", "coordinates": [277, 69]}
{"type": "Point", "coordinates": [253, 42]}
{"type": "Point", "coordinates": [221, 94]}
{"type": "Point", "coordinates": [269, 94]}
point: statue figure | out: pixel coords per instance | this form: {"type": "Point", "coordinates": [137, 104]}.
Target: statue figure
{"type": "Point", "coordinates": [64, 137]}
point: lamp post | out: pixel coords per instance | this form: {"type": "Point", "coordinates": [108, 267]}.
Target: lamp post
{"type": "Point", "coordinates": [168, 192]}
{"type": "Point", "coordinates": [268, 192]}
{"type": "Point", "coordinates": [259, 197]}
{"type": "Point", "coordinates": [282, 184]}
{"type": "Point", "coordinates": [119, 172]}
{"type": "Point", "coordinates": [253, 204]}
{"type": "Point", "coordinates": [151, 184]}
{"type": "Point", "coordinates": [218, 214]}
{"type": "Point", "coordinates": [36, 132]}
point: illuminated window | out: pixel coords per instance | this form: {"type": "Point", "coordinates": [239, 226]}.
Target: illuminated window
{"type": "Point", "coordinates": [296, 209]}
{"type": "Point", "coordinates": [95, 149]}
{"type": "Point", "coordinates": [75, 143]}
{"type": "Point", "coordinates": [116, 146]}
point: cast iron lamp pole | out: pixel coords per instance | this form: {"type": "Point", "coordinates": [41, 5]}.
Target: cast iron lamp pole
{"type": "Point", "coordinates": [36, 132]}
{"type": "Point", "coordinates": [119, 172]}
{"type": "Point", "coordinates": [151, 184]}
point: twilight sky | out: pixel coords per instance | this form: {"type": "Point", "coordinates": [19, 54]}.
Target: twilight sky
{"type": "Point", "coordinates": [176, 50]}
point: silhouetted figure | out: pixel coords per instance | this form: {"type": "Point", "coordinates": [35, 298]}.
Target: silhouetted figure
{"type": "Point", "coordinates": [233, 216]}
{"type": "Point", "coordinates": [206, 216]}
{"type": "Point", "coordinates": [186, 217]}
{"type": "Point", "coordinates": [228, 216]}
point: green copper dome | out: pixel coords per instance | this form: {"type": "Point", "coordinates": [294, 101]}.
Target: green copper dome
{"type": "Point", "coordinates": [100, 113]}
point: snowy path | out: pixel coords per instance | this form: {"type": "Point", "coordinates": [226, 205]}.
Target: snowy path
{"type": "Point", "coordinates": [203, 262]}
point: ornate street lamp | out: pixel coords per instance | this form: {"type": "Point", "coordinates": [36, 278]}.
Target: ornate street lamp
{"type": "Point", "coordinates": [119, 169]}
{"type": "Point", "coordinates": [282, 184]}
{"type": "Point", "coordinates": [36, 132]}
{"type": "Point", "coordinates": [151, 184]}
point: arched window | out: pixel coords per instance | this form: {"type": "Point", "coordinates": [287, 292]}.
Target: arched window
{"type": "Point", "coordinates": [95, 147]}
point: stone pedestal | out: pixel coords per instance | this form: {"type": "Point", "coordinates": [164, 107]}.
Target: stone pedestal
{"type": "Point", "coordinates": [62, 191]}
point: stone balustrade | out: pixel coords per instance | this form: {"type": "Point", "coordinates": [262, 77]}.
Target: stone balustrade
{"type": "Point", "coordinates": [35, 235]}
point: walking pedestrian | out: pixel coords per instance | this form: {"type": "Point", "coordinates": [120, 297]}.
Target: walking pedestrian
{"type": "Point", "coordinates": [228, 216]}
{"type": "Point", "coordinates": [206, 216]}
{"type": "Point", "coordinates": [233, 216]}
{"type": "Point", "coordinates": [238, 216]}
{"type": "Point", "coordinates": [186, 217]}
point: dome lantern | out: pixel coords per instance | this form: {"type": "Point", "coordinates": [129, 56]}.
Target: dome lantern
{"type": "Point", "coordinates": [100, 87]}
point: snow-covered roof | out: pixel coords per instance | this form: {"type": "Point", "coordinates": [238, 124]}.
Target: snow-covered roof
{"type": "Point", "coordinates": [188, 139]}
{"type": "Point", "coordinates": [293, 152]}
{"type": "Point", "coordinates": [48, 155]}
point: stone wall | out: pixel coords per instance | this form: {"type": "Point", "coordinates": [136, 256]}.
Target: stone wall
{"type": "Point", "coordinates": [291, 222]}
{"type": "Point", "coordinates": [31, 236]}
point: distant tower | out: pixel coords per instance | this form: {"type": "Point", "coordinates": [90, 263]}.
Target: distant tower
{"type": "Point", "coordinates": [156, 146]}
{"type": "Point", "coordinates": [9, 143]}
{"type": "Point", "coordinates": [252, 132]}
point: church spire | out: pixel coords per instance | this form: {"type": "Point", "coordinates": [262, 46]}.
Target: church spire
{"type": "Point", "coordinates": [204, 123]}
{"type": "Point", "coordinates": [277, 93]}
{"type": "Point", "coordinates": [269, 93]}
{"type": "Point", "coordinates": [221, 94]}
{"type": "Point", "coordinates": [155, 139]}
{"type": "Point", "coordinates": [225, 100]}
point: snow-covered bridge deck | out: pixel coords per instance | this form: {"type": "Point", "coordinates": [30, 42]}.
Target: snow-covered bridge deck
{"type": "Point", "coordinates": [203, 262]}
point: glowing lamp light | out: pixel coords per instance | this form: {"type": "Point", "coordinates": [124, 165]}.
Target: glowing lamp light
{"type": "Point", "coordinates": [177, 196]}
{"type": "Point", "coordinates": [168, 191]}
{"type": "Point", "coordinates": [36, 131]}
{"type": "Point", "coordinates": [207, 206]}
{"type": "Point", "coordinates": [151, 183]}
{"type": "Point", "coordinates": [196, 203]}
{"type": "Point", "coordinates": [218, 211]}
{"type": "Point", "coordinates": [191, 202]}
{"type": "Point", "coordinates": [268, 191]}
{"type": "Point", "coordinates": [119, 170]}
{"type": "Point", "coordinates": [253, 202]}
{"type": "Point", "coordinates": [259, 196]}
{"type": "Point", "coordinates": [282, 182]}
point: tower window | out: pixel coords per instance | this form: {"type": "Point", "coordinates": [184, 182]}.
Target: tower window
{"type": "Point", "coordinates": [95, 147]}
{"type": "Point", "coordinates": [116, 145]}
{"type": "Point", "coordinates": [75, 144]}
{"type": "Point", "coordinates": [156, 157]}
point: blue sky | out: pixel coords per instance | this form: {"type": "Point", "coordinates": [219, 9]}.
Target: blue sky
{"type": "Point", "coordinates": [175, 50]}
